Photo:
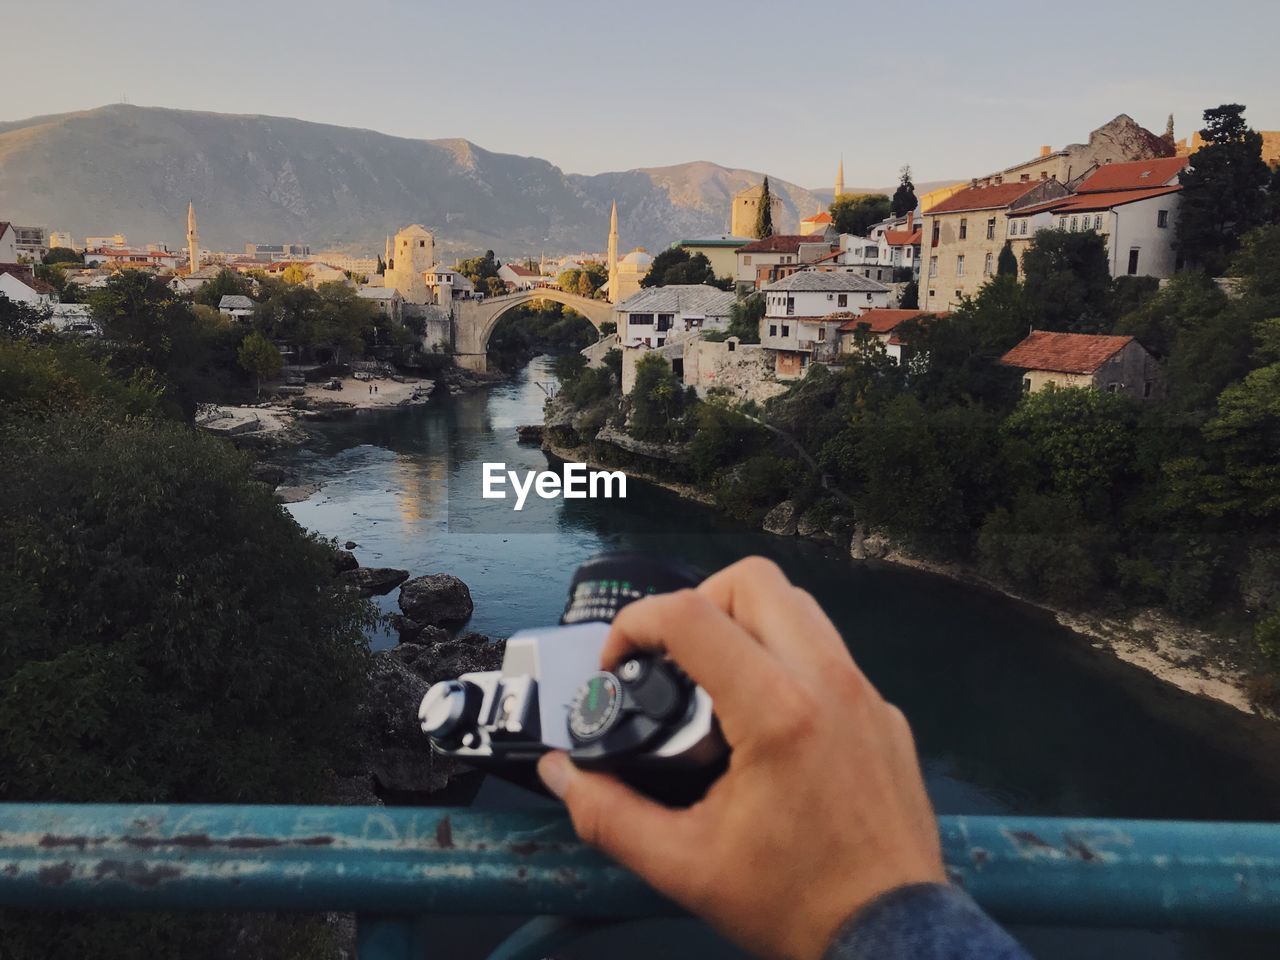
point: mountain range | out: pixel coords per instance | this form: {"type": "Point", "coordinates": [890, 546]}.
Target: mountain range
{"type": "Point", "coordinates": [132, 170]}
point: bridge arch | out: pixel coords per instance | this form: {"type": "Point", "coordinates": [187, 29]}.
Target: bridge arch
{"type": "Point", "coordinates": [475, 320]}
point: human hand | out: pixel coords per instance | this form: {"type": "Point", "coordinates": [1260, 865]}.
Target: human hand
{"type": "Point", "coordinates": [822, 808]}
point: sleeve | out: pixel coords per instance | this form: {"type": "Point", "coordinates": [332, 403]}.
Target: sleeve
{"type": "Point", "coordinates": [925, 921]}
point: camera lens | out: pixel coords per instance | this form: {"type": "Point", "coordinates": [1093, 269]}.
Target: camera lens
{"type": "Point", "coordinates": [609, 581]}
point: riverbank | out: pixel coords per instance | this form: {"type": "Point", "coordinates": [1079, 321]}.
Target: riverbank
{"type": "Point", "coordinates": [1192, 660]}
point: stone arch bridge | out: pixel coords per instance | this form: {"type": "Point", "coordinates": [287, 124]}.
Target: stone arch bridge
{"type": "Point", "coordinates": [474, 320]}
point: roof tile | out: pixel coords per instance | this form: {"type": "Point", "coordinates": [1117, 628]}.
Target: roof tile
{"type": "Point", "coordinates": [1064, 352]}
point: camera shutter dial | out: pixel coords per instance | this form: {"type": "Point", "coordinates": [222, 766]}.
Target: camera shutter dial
{"type": "Point", "coordinates": [596, 707]}
{"type": "Point", "coordinates": [450, 709]}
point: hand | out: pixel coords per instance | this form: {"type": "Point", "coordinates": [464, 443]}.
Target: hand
{"type": "Point", "coordinates": [822, 808]}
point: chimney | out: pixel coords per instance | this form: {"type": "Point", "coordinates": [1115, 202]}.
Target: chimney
{"type": "Point", "coordinates": [1046, 150]}
{"type": "Point", "coordinates": [911, 216]}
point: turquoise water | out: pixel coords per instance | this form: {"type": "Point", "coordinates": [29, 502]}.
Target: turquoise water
{"type": "Point", "coordinates": [1012, 713]}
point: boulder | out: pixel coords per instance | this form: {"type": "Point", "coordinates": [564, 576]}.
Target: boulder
{"type": "Point", "coordinates": [781, 520]}
{"type": "Point", "coordinates": [868, 545]}
{"type": "Point", "coordinates": [350, 545]}
{"type": "Point", "coordinates": [839, 529]}
{"type": "Point", "coordinates": [270, 473]}
{"type": "Point", "coordinates": [811, 526]}
{"type": "Point", "coordinates": [411, 631]}
{"type": "Point", "coordinates": [450, 658]}
{"type": "Point", "coordinates": [374, 581]}
{"type": "Point", "coordinates": [398, 753]}
{"type": "Point", "coordinates": [344, 560]}
{"type": "Point", "coordinates": [438, 599]}
{"type": "Point", "coordinates": [529, 432]}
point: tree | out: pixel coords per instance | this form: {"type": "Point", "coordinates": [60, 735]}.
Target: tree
{"type": "Point", "coordinates": [764, 213]}
{"type": "Point", "coordinates": [856, 212]}
{"type": "Point", "coordinates": [1067, 281]}
{"type": "Point", "coordinates": [63, 255]}
{"type": "Point", "coordinates": [910, 298]}
{"type": "Point", "coordinates": [259, 356]}
{"type": "Point", "coordinates": [225, 283]}
{"type": "Point", "coordinates": [1222, 189]}
{"type": "Point", "coordinates": [677, 265]}
{"type": "Point", "coordinates": [382, 266]}
{"type": "Point", "coordinates": [18, 320]}
{"type": "Point", "coordinates": [294, 274]}
{"type": "Point", "coordinates": [745, 314]}
{"type": "Point", "coordinates": [1007, 262]}
{"type": "Point", "coordinates": [904, 198]}
{"type": "Point", "coordinates": [480, 269]}
{"type": "Point", "coordinates": [656, 400]}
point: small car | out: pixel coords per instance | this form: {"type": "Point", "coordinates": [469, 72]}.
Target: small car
{"type": "Point", "coordinates": [333, 384]}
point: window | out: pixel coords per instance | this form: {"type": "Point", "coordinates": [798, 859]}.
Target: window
{"type": "Point", "coordinates": [786, 330]}
{"type": "Point", "coordinates": [932, 293]}
{"type": "Point", "coordinates": [773, 329]}
{"type": "Point", "coordinates": [1074, 222]}
{"type": "Point", "coordinates": [791, 308]}
{"type": "Point", "coordinates": [746, 259]}
{"type": "Point", "coordinates": [822, 333]}
{"type": "Point", "coordinates": [1133, 262]}
{"type": "Point", "coordinates": [937, 229]}
{"type": "Point", "coordinates": [1062, 223]}
{"type": "Point", "coordinates": [1162, 218]}
{"type": "Point", "coordinates": [1013, 227]}
{"type": "Point", "coordinates": [842, 300]}
{"type": "Point", "coordinates": [1113, 387]}
{"type": "Point", "coordinates": [960, 265]}
{"type": "Point", "coordinates": [664, 321]}
{"type": "Point", "coordinates": [986, 266]}
{"type": "Point", "coordinates": [1026, 384]}
{"type": "Point", "coordinates": [1147, 388]}
{"type": "Point", "coordinates": [964, 228]}
{"type": "Point", "coordinates": [933, 267]}
{"type": "Point", "coordinates": [1022, 228]}
{"type": "Point", "coordinates": [991, 228]}
{"type": "Point", "coordinates": [732, 345]}
{"type": "Point", "coordinates": [1097, 222]}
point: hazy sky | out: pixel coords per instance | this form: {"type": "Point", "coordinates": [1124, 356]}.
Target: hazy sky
{"type": "Point", "coordinates": [954, 89]}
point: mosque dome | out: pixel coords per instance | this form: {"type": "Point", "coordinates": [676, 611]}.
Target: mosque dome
{"type": "Point", "coordinates": [637, 259]}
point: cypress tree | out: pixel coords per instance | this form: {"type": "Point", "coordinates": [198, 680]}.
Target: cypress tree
{"type": "Point", "coordinates": [764, 215]}
{"type": "Point", "coordinates": [1007, 263]}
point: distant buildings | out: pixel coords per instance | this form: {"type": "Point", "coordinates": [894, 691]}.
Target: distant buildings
{"type": "Point", "coordinates": [237, 306]}
{"type": "Point", "coordinates": [519, 277]}
{"type": "Point", "coordinates": [276, 251]}
{"type": "Point", "coordinates": [1114, 364]}
{"type": "Point", "coordinates": [765, 261]}
{"type": "Point", "coordinates": [408, 257]}
{"type": "Point", "coordinates": [625, 273]}
{"type": "Point", "coordinates": [879, 323]}
{"type": "Point", "coordinates": [746, 208]}
{"type": "Point", "coordinates": [721, 251]}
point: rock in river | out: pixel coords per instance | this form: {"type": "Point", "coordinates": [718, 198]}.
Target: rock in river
{"type": "Point", "coordinates": [344, 560]}
{"type": "Point", "coordinates": [374, 581]}
{"type": "Point", "coordinates": [781, 520]}
{"type": "Point", "coordinates": [436, 600]}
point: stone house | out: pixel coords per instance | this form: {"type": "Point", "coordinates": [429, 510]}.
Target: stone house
{"type": "Point", "coordinates": [1112, 363]}
{"type": "Point", "coordinates": [237, 306]}
{"type": "Point", "coordinates": [780, 250]}
{"type": "Point", "coordinates": [963, 234]}
{"type": "Point", "coordinates": [797, 326]}
{"type": "Point", "coordinates": [880, 323]}
{"type": "Point", "coordinates": [656, 316]}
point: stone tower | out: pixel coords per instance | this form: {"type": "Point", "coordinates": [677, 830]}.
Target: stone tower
{"type": "Point", "coordinates": [413, 253]}
{"type": "Point", "coordinates": [839, 179]}
{"type": "Point", "coordinates": [612, 260]}
{"type": "Point", "coordinates": [193, 239]}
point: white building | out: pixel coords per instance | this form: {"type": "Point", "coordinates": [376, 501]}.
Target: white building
{"type": "Point", "coordinates": [880, 324]}
{"type": "Point", "coordinates": [387, 299]}
{"type": "Point", "coordinates": [447, 284]}
{"type": "Point", "coordinates": [757, 259]}
{"type": "Point", "coordinates": [31, 243]}
{"type": "Point", "coordinates": [61, 238]}
{"type": "Point", "coordinates": [519, 277]}
{"type": "Point", "coordinates": [18, 285]}
{"type": "Point", "coordinates": [8, 243]}
{"type": "Point", "coordinates": [797, 324]}
{"type": "Point", "coordinates": [1134, 206]}
{"type": "Point", "coordinates": [236, 306]}
{"type": "Point", "coordinates": [658, 315]}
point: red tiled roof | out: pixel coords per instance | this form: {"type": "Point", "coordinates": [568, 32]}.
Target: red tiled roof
{"type": "Point", "coordinates": [21, 271]}
{"type": "Point", "coordinates": [520, 271]}
{"type": "Point", "coordinates": [1064, 352]}
{"type": "Point", "coordinates": [1136, 175]}
{"type": "Point", "coordinates": [780, 243]}
{"type": "Point", "coordinates": [1079, 202]}
{"type": "Point", "coordinates": [985, 198]}
{"type": "Point", "coordinates": [901, 238]}
{"type": "Point", "coordinates": [820, 217]}
{"type": "Point", "coordinates": [4, 225]}
{"type": "Point", "coordinates": [879, 319]}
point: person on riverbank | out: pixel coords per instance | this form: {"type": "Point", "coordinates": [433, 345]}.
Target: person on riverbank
{"type": "Point", "coordinates": [819, 841]}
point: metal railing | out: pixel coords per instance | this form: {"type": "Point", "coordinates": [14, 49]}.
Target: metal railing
{"type": "Point", "coordinates": [394, 866]}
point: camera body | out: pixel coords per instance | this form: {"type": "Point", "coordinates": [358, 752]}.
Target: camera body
{"type": "Point", "coordinates": [645, 720]}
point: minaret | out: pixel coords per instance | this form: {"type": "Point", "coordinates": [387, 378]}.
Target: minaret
{"type": "Point", "coordinates": [840, 178]}
{"type": "Point", "coordinates": [193, 239]}
{"type": "Point", "coordinates": [613, 253]}
{"type": "Point", "coordinates": [386, 260]}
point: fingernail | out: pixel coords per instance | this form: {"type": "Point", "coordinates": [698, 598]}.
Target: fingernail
{"type": "Point", "coordinates": [554, 769]}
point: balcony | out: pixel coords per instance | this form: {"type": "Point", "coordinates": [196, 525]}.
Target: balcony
{"type": "Point", "coordinates": [394, 866]}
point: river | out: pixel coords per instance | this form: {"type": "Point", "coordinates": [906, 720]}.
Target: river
{"type": "Point", "coordinates": [1012, 713]}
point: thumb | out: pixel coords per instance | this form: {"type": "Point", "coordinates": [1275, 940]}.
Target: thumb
{"type": "Point", "coordinates": [646, 837]}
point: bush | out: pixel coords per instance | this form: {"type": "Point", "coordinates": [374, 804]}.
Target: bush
{"type": "Point", "coordinates": [755, 486]}
{"type": "Point", "coordinates": [722, 436]}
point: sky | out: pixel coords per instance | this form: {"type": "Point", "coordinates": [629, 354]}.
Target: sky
{"type": "Point", "coordinates": [954, 89]}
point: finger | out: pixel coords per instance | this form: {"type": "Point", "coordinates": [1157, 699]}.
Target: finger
{"type": "Point", "coordinates": [716, 652]}
{"type": "Point", "coordinates": [654, 841]}
{"type": "Point", "coordinates": [785, 619]}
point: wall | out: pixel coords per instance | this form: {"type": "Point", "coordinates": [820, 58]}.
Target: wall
{"type": "Point", "coordinates": [724, 260]}
{"type": "Point", "coordinates": [1135, 226]}
{"type": "Point", "coordinates": [1129, 370]}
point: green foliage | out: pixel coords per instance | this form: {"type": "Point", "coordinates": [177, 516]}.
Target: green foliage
{"type": "Point", "coordinates": [19, 320]}
{"type": "Point", "coordinates": [855, 213]}
{"type": "Point", "coordinates": [613, 363]}
{"type": "Point", "coordinates": [764, 214]}
{"type": "Point", "coordinates": [480, 269]}
{"type": "Point", "coordinates": [608, 327]}
{"type": "Point", "coordinates": [910, 298]}
{"type": "Point", "coordinates": [226, 283]}
{"type": "Point", "coordinates": [585, 281]}
{"type": "Point", "coordinates": [722, 435]}
{"type": "Point", "coordinates": [259, 356]}
{"type": "Point", "coordinates": [63, 255]}
{"type": "Point", "coordinates": [68, 378]}
{"type": "Point", "coordinates": [744, 317]}
{"type": "Point", "coordinates": [904, 198]}
{"type": "Point", "coordinates": [657, 402]}
{"type": "Point", "coordinates": [1222, 189]}
{"type": "Point", "coordinates": [677, 265]}
{"type": "Point", "coordinates": [1067, 281]}
{"type": "Point", "coordinates": [1045, 546]}
{"type": "Point", "coordinates": [1007, 262]}
{"type": "Point", "coordinates": [328, 323]}
{"type": "Point", "coordinates": [753, 487]}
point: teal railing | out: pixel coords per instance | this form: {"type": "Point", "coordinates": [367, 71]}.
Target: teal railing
{"type": "Point", "coordinates": [394, 866]}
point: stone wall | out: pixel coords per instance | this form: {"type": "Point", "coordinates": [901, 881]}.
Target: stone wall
{"type": "Point", "coordinates": [744, 370]}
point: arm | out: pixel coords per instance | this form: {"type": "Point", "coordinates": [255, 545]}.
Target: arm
{"type": "Point", "coordinates": [822, 814]}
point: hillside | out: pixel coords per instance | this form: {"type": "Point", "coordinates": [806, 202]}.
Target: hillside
{"type": "Point", "coordinates": [130, 169]}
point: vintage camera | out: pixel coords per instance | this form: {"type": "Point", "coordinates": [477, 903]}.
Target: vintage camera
{"type": "Point", "coordinates": [645, 721]}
